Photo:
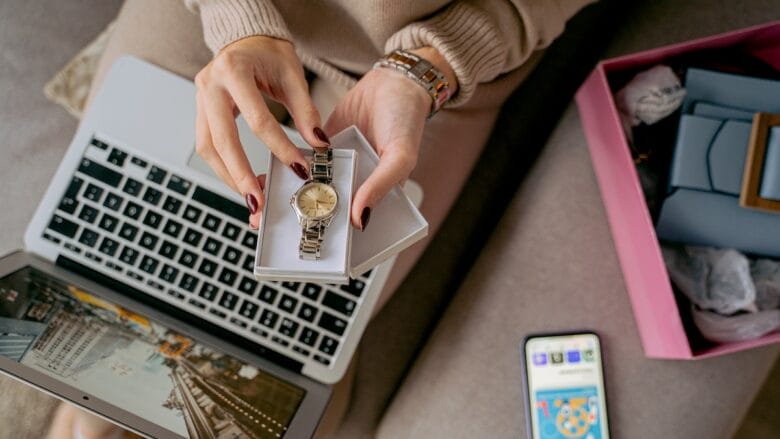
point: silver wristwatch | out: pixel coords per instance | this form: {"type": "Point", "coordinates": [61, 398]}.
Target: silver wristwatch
{"type": "Point", "coordinates": [315, 204]}
{"type": "Point", "coordinates": [422, 72]}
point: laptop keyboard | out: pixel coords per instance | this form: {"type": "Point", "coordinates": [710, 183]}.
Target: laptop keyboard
{"type": "Point", "coordinates": [136, 221]}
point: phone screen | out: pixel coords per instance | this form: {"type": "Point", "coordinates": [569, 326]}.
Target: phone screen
{"type": "Point", "coordinates": [566, 387]}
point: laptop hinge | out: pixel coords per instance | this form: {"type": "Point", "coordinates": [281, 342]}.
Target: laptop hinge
{"type": "Point", "coordinates": [179, 314]}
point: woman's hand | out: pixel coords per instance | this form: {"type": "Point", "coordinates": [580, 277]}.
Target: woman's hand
{"type": "Point", "coordinates": [390, 109]}
{"type": "Point", "coordinates": [234, 82]}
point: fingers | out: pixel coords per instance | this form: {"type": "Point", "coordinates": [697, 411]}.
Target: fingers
{"type": "Point", "coordinates": [304, 113]}
{"type": "Point", "coordinates": [394, 166]}
{"type": "Point", "coordinates": [224, 134]}
{"type": "Point", "coordinates": [205, 147]}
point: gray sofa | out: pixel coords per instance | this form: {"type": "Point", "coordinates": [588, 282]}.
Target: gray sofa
{"type": "Point", "coordinates": [451, 370]}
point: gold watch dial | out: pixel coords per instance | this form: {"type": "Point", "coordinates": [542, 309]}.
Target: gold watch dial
{"type": "Point", "coordinates": [317, 200]}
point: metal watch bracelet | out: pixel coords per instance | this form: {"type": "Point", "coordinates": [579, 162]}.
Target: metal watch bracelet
{"type": "Point", "coordinates": [420, 71]}
{"type": "Point", "coordinates": [312, 231]}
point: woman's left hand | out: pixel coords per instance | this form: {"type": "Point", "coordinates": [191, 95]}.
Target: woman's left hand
{"type": "Point", "coordinates": [390, 109]}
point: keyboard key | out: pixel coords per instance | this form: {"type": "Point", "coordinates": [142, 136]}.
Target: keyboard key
{"type": "Point", "coordinates": [249, 263]}
{"type": "Point", "coordinates": [152, 196]}
{"type": "Point", "coordinates": [113, 201]}
{"type": "Point", "coordinates": [156, 175]}
{"type": "Point", "coordinates": [288, 327]}
{"type": "Point", "coordinates": [288, 303]}
{"type": "Point", "coordinates": [269, 318]}
{"type": "Point", "coordinates": [311, 292]}
{"type": "Point", "coordinates": [228, 276]}
{"type": "Point", "coordinates": [169, 273]}
{"type": "Point", "coordinates": [220, 204]}
{"type": "Point", "coordinates": [109, 246]}
{"type": "Point", "coordinates": [168, 249]}
{"type": "Point", "coordinates": [128, 255]}
{"type": "Point", "coordinates": [232, 255]}
{"type": "Point", "coordinates": [51, 238]}
{"type": "Point", "coordinates": [98, 144]}
{"type": "Point", "coordinates": [132, 187]}
{"type": "Point", "coordinates": [267, 294]}
{"type": "Point", "coordinates": [307, 312]}
{"type": "Point", "coordinates": [179, 184]}
{"type": "Point", "coordinates": [332, 323]}
{"type": "Point", "coordinates": [148, 241]}
{"type": "Point", "coordinates": [250, 240]}
{"type": "Point", "coordinates": [328, 345]}
{"type": "Point", "coordinates": [193, 237]}
{"type": "Point", "coordinates": [339, 303]}
{"type": "Point", "coordinates": [188, 258]}
{"type": "Point", "coordinates": [189, 283]}
{"type": "Point", "coordinates": [228, 300]}
{"type": "Point", "coordinates": [74, 187]}
{"type": "Point", "coordinates": [132, 210]}
{"type": "Point", "coordinates": [172, 205]}
{"type": "Point", "coordinates": [73, 248]}
{"type": "Point", "coordinates": [63, 226]}
{"type": "Point", "coordinates": [354, 288]}
{"type": "Point", "coordinates": [212, 223]}
{"type": "Point", "coordinates": [172, 228]}
{"type": "Point", "coordinates": [280, 341]}
{"type": "Point", "coordinates": [322, 360]}
{"type": "Point", "coordinates": [117, 157]}
{"type": "Point", "coordinates": [100, 172]}
{"type": "Point", "coordinates": [238, 322]}
{"type": "Point", "coordinates": [153, 219]}
{"type": "Point", "coordinates": [88, 237]}
{"type": "Point", "coordinates": [292, 285]}
{"type": "Point", "coordinates": [231, 231]}
{"type": "Point", "coordinates": [192, 214]}
{"type": "Point", "coordinates": [248, 310]}
{"type": "Point", "coordinates": [176, 294]}
{"type": "Point", "coordinates": [93, 193]}
{"type": "Point", "coordinates": [259, 331]}
{"type": "Point", "coordinates": [212, 246]}
{"type": "Point", "coordinates": [134, 275]}
{"type": "Point", "coordinates": [149, 264]}
{"type": "Point", "coordinates": [197, 303]}
{"type": "Point", "coordinates": [94, 257]}
{"type": "Point", "coordinates": [68, 205]}
{"type": "Point", "coordinates": [207, 267]}
{"type": "Point", "coordinates": [141, 163]}
{"type": "Point", "coordinates": [218, 313]}
{"type": "Point", "coordinates": [208, 291]}
{"type": "Point", "coordinates": [247, 285]}
{"type": "Point", "coordinates": [88, 214]}
{"type": "Point", "coordinates": [128, 232]}
{"type": "Point", "coordinates": [301, 351]}
{"type": "Point", "coordinates": [108, 223]}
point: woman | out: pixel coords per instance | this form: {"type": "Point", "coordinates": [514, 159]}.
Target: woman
{"type": "Point", "coordinates": [254, 57]}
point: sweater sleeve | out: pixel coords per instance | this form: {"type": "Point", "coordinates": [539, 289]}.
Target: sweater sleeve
{"type": "Point", "coordinates": [482, 39]}
{"type": "Point", "coordinates": [226, 21]}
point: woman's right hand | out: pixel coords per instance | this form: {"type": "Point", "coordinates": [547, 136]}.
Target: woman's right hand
{"type": "Point", "coordinates": [234, 82]}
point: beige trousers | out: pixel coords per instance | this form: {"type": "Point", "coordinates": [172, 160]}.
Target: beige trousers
{"type": "Point", "coordinates": [165, 33]}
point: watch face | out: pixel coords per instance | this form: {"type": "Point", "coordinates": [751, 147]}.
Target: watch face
{"type": "Point", "coordinates": [316, 200]}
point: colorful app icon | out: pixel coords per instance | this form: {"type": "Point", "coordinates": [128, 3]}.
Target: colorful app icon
{"type": "Point", "coordinates": [556, 357]}
{"type": "Point", "coordinates": [588, 356]}
{"type": "Point", "coordinates": [573, 356]}
{"type": "Point", "coordinates": [539, 358]}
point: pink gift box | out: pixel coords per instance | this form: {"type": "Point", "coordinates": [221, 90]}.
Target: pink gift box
{"type": "Point", "coordinates": [655, 307]}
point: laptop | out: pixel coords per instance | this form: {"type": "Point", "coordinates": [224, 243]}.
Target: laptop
{"type": "Point", "coordinates": [136, 299]}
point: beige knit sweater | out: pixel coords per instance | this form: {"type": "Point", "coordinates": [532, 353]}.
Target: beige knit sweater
{"type": "Point", "coordinates": [341, 39]}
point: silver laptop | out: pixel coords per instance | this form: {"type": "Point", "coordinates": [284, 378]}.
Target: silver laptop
{"type": "Point", "coordinates": [136, 297]}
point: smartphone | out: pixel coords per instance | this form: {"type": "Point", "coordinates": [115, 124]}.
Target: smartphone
{"type": "Point", "coordinates": [563, 383]}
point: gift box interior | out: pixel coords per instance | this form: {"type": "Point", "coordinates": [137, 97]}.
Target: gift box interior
{"type": "Point", "coordinates": [633, 176]}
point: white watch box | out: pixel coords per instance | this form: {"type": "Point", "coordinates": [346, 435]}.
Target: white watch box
{"type": "Point", "coordinates": [396, 223]}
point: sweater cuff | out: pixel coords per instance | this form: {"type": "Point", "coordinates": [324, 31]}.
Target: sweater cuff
{"type": "Point", "coordinates": [466, 37]}
{"type": "Point", "coordinates": [226, 21]}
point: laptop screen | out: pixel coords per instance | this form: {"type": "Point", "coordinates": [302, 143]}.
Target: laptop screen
{"type": "Point", "coordinates": [137, 364]}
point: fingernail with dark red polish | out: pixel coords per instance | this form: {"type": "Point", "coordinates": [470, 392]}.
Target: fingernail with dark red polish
{"type": "Point", "coordinates": [321, 135]}
{"type": "Point", "coordinates": [364, 217]}
{"type": "Point", "coordinates": [300, 171]}
{"type": "Point", "coordinates": [251, 203]}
